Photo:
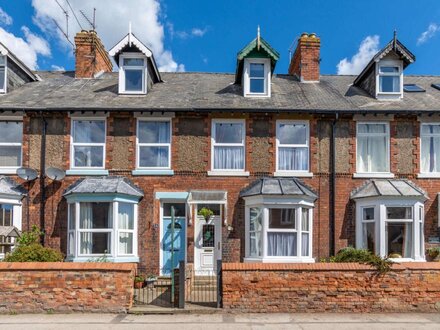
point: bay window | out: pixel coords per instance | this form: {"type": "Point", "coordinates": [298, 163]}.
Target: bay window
{"type": "Point", "coordinates": [11, 138]}
{"type": "Point", "coordinates": [154, 144]}
{"type": "Point", "coordinates": [228, 145]}
{"type": "Point", "coordinates": [292, 140]}
{"type": "Point", "coordinates": [373, 148]}
{"type": "Point", "coordinates": [88, 143]}
{"type": "Point", "coordinates": [430, 148]}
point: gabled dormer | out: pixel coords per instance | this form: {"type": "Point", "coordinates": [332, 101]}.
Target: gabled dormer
{"type": "Point", "coordinates": [137, 67]}
{"type": "Point", "coordinates": [255, 66]}
{"type": "Point", "coordinates": [382, 78]}
{"type": "Point", "coordinates": [13, 72]}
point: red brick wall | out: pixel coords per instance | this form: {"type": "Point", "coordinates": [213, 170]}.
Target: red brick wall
{"type": "Point", "coordinates": [305, 61]}
{"type": "Point", "coordinates": [66, 287]}
{"type": "Point", "coordinates": [260, 288]}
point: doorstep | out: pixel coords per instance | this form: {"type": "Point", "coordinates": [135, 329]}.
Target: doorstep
{"type": "Point", "coordinates": [189, 309]}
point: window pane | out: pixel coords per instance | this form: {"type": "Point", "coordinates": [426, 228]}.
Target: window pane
{"type": "Point", "coordinates": [71, 249]}
{"type": "Point", "coordinates": [89, 131]}
{"type": "Point", "coordinates": [72, 216]}
{"type": "Point", "coordinates": [305, 219]}
{"type": "Point", "coordinates": [133, 62]}
{"type": "Point", "coordinates": [368, 236]}
{"type": "Point", "coordinates": [292, 133]}
{"type": "Point", "coordinates": [125, 243]}
{"type": "Point", "coordinates": [10, 156]}
{"type": "Point", "coordinates": [282, 244]}
{"type": "Point", "coordinates": [133, 80]}
{"type": "Point", "coordinates": [389, 69]}
{"type": "Point", "coordinates": [228, 158]}
{"type": "Point", "coordinates": [256, 219]}
{"type": "Point", "coordinates": [2, 78]}
{"type": "Point", "coordinates": [305, 244]}
{"type": "Point", "coordinates": [2, 60]}
{"type": "Point", "coordinates": [179, 209]}
{"type": "Point", "coordinates": [6, 215]}
{"type": "Point", "coordinates": [372, 154]}
{"type": "Point", "coordinates": [229, 132]}
{"type": "Point", "coordinates": [126, 216]}
{"type": "Point", "coordinates": [368, 213]}
{"type": "Point", "coordinates": [430, 129]}
{"type": "Point", "coordinates": [154, 132]}
{"type": "Point", "coordinates": [256, 85]}
{"type": "Point", "coordinates": [95, 243]}
{"type": "Point", "coordinates": [213, 207]}
{"type": "Point", "coordinates": [389, 84]}
{"type": "Point", "coordinates": [88, 157]}
{"type": "Point", "coordinates": [11, 131]}
{"type": "Point", "coordinates": [256, 70]}
{"type": "Point", "coordinates": [282, 218]}
{"type": "Point", "coordinates": [255, 228]}
{"type": "Point", "coordinates": [208, 235]}
{"type": "Point", "coordinates": [95, 216]}
{"type": "Point", "coordinates": [153, 156]}
{"type": "Point", "coordinates": [372, 128]}
{"type": "Point", "coordinates": [399, 213]}
{"type": "Point", "coordinates": [293, 159]}
{"type": "Point", "coordinates": [399, 241]}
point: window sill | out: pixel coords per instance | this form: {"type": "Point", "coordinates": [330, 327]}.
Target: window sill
{"type": "Point", "coordinates": [293, 174]}
{"type": "Point", "coordinates": [428, 175]}
{"type": "Point", "coordinates": [280, 260]}
{"type": "Point", "coordinates": [373, 175]}
{"type": "Point", "coordinates": [110, 259]}
{"type": "Point", "coordinates": [152, 172]}
{"type": "Point", "coordinates": [86, 172]}
{"type": "Point", "coordinates": [399, 260]}
{"type": "Point", "coordinates": [8, 170]}
{"type": "Point", "coordinates": [228, 173]}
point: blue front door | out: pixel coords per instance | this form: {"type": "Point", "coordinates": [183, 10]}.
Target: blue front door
{"type": "Point", "coordinates": [173, 247]}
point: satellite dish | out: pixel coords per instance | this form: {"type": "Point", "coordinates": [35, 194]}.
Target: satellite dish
{"type": "Point", "coordinates": [27, 174]}
{"type": "Point", "coordinates": [55, 174]}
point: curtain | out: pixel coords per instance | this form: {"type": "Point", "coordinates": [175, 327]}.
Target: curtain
{"type": "Point", "coordinates": [305, 244]}
{"type": "Point", "coordinates": [10, 156]}
{"type": "Point", "coordinates": [86, 222]}
{"type": "Point", "coordinates": [125, 220]}
{"type": "Point", "coordinates": [293, 159]}
{"type": "Point", "coordinates": [256, 219]}
{"type": "Point", "coordinates": [281, 244]}
{"type": "Point", "coordinates": [408, 240]}
{"type": "Point", "coordinates": [229, 158]}
{"type": "Point", "coordinates": [154, 132]}
{"type": "Point", "coordinates": [430, 149]}
{"type": "Point", "coordinates": [372, 150]}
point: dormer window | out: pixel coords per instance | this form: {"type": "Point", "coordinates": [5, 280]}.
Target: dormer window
{"type": "Point", "coordinates": [389, 79]}
{"type": "Point", "coordinates": [132, 75]}
{"type": "Point", "coordinates": [257, 77]}
{"type": "Point", "coordinates": [2, 74]}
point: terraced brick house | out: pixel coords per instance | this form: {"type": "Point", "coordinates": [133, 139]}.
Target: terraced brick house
{"type": "Point", "coordinates": [293, 167]}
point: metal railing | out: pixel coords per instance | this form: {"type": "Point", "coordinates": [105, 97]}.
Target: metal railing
{"type": "Point", "coordinates": [156, 291]}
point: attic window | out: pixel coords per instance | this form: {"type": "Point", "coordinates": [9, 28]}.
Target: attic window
{"type": "Point", "coordinates": [412, 88]}
{"type": "Point", "coordinates": [132, 75]}
{"type": "Point", "coordinates": [257, 77]}
{"type": "Point", "coordinates": [389, 79]}
{"type": "Point", "coordinates": [2, 74]}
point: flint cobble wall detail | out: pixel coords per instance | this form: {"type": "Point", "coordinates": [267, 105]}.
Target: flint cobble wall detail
{"type": "Point", "coordinates": [65, 287]}
{"type": "Point", "coordinates": [330, 287]}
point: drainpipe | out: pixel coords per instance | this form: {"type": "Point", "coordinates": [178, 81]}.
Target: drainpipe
{"type": "Point", "coordinates": [43, 178]}
{"type": "Point", "coordinates": [332, 245]}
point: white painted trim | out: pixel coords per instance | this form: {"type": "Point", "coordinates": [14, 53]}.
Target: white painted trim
{"type": "Point", "coordinates": [390, 96]}
{"type": "Point", "coordinates": [154, 114]}
{"type": "Point", "coordinates": [433, 175]}
{"type": "Point", "coordinates": [12, 169]}
{"type": "Point", "coordinates": [228, 173]}
{"type": "Point", "coordinates": [293, 174]}
{"type": "Point", "coordinates": [17, 217]}
{"type": "Point", "coordinates": [246, 77]}
{"type": "Point", "coordinates": [373, 175]}
{"type": "Point", "coordinates": [79, 115]}
{"type": "Point", "coordinates": [427, 174]}
{"type": "Point", "coordinates": [129, 38]}
{"type": "Point", "coordinates": [5, 89]}
{"type": "Point", "coordinates": [280, 260]}
{"type": "Point", "coordinates": [123, 68]}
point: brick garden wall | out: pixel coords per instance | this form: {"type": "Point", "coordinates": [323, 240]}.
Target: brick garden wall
{"type": "Point", "coordinates": [33, 287]}
{"type": "Point", "coordinates": [330, 287]}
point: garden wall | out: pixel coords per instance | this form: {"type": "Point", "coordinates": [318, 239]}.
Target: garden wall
{"type": "Point", "coordinates": [35, 287]}
{"type": "Point", "coordinates": [330, 287]}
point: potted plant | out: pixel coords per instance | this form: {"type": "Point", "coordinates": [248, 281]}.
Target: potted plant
{"type": "Point", "coordinates": [139, 281]}
{"type": "Point", "coordinates": [206, 213]}
{"type": "Point", "coordinates": [433, 253]}
{"type": "Point", "coordinates": [151, 278]}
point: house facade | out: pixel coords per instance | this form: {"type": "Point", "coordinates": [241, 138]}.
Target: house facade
{"type": "Point", "coordinates": [293, 167]}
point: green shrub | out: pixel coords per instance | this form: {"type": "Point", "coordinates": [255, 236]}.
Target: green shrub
{"type": "Point", "coordinates": [206, 213]}
{"type": "Point", "coordinates": [433, 252]}
{"type": "Point", "coordinates": [34, 252]}
{"type": "Point", "coordinates": [350, 254]}
{"type": "Point", "coordinates": [30, 237]}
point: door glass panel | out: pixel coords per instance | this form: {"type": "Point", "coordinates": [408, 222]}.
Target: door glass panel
{"type": "Point", "coordinates": [179, 209]}
{"type": "Point", "coordinates": [208, 233]}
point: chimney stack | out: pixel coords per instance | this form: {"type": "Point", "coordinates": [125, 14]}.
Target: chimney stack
{"type": "Point", "coordinates": [90, 55]}
{"type": "Point", "coordinates": [304, 63]}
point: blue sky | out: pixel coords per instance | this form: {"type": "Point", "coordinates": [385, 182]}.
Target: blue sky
{"type": "Point", "coordinates": [206, 35]}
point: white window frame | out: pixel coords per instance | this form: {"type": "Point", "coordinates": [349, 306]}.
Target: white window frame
{"type": "Point", "coordinates": [297, 173]}
{"type": "Point", "coordinates": [228, 172]}
{"type": "Point", "coordinates": [266, 203]}
{"type": "Point", "coordinates": [246, 77]}
{"type": "Point", "coordinates": [380, 216]}
{"type": "Point", "coordinates": [123, 68]}
{"type": "Point", "coordinates": [168, 145]}
{"type": "Point", "coordinates": [16, 214]}
{"type": "Point", "coordinates": [385, 174]}
{"type": "Point", "coordinates": [389, 63]}
{"type": "Point", "coordinates": [82, 144]}
{"type": "Point", "coordinates": [112, 255]}
{"type": "Point", "coordinates": [12, 169]}
{"type": "Point", "coordinates": [5, 88]}
{"type": "Point", "coordinates": [422, 135]}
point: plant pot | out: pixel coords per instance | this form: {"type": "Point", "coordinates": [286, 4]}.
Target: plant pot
{"type": "Point", "coordinates": [150, 281]}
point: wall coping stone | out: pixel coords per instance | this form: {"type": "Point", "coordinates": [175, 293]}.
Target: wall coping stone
{"type": "Point", "coordinates": [325, 266]}
{"type": "Point", "coordinates": [68, 266]}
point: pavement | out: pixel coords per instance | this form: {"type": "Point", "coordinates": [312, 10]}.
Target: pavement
{"type": "Point", "coordinates": [221, 321]}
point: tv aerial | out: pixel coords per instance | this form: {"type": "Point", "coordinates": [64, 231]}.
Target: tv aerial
{"type": "Point", "coordinates": [56, 174]}
{"type": "Point", "coordinates": [27, 174]}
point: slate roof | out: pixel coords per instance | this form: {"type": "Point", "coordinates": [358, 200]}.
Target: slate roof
{"type": "Point", "coordinates": [104, 185]}
{"type": "Point", "coordinates": [213, 92]}
{"type": "Point", "coordinates": [9, 187]}
{"type": "Point", "coordinates": [389, 188]}
{"type": "Point", "coordinates": [9, 231]}
{"type": "Point", "coordinates": [278, 186]}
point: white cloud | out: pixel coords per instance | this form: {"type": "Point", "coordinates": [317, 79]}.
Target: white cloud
{"type": "Point", "coordinates": [368, 48]}
{"type": "Point", "coordinates": [193, 33]}
{"type": "Point", "coordinates": [112, 20]}
{"type": "Point", "coordinates": [57, 68]}
{"type": "Point", "coordinates": [428, 34]}
{"type": "Point", "coordinates": [5, 19]}
{"type": "Point", "coordinates": [197, 32]}
{"type": "Point", "coordinates": [27, 49]}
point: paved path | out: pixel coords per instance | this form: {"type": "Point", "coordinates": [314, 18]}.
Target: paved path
{"type": "Point", "coordinates": [222, 321]}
